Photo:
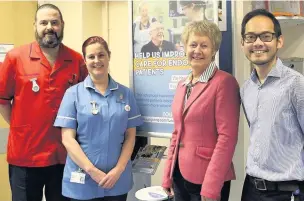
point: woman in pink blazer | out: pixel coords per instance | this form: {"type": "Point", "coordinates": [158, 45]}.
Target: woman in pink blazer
{"type": "Point", "coordinates": [205, 110]}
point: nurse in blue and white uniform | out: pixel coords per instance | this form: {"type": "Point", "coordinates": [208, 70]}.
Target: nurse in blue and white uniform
{"type": "Point", "coordinates": [98, 118]}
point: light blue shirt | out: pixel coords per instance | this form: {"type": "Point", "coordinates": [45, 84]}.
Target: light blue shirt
{"type": "Point", "coordinates": [275, 111]}
{"type": "Point", "coordinates": [100, 136]}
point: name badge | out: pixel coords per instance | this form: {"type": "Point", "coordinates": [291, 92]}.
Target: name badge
{"type": "Point", "coordinates": [77, 177]}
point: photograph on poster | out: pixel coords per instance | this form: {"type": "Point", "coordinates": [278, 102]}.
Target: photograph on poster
{"type": "Point", "coordinates": [165, 20]}
{"type": "Point", "coordinates": [198, 10]}
{"type": "Point", "coordinates": [159, 60]}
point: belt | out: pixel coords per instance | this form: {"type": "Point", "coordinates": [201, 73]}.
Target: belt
{"type": "Point", "coordinates": [265, 185]}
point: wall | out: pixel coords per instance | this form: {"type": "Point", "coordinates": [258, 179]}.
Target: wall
{"type": "Point", "coordinates": [241, 69]}
{"type": "Point", "coordinates": [16, 19]}
{"type": "Point", "coordinates": [293, 41]}
{"type": "Point", "coordinates": [91, 18]}
{"type": "Point", "coordinates": [120, 41]}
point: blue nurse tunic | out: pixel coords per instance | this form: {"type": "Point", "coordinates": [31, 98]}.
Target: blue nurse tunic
{"type": "Point", "coordinates": [100, 135]}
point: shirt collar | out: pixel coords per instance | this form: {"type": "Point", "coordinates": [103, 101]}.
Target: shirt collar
{"type": "Point", "coordinates": [112, 84]}
{"type": "Point", "coordinates": [36, 52]}
{"type": "Point", "coordinates": [205, 76]}
{"type": "Point", "coordinates": [88, 83]}
{"type": "Point", "coordinates": [276, 71]}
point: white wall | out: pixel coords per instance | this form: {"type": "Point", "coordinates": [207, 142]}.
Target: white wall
{"type": "Point", "coordinates": [241, 71]}
{"type": "Point", "coordinates": [293, 41]}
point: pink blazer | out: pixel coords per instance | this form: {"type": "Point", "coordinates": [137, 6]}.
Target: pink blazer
{"type": "Point", "coordinates": [205, 133]}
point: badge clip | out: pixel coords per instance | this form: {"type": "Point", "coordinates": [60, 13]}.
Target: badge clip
{"type": "Point", "coordinates": [120, 98]}
{"type": "Point", "coordinates": [35, 86]}
{"type": "Point", "coordinates": [94, 108]}
{"type": "Point", "coordinates": [127, 108]}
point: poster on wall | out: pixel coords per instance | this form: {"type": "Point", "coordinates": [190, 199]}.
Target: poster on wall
{"type": "Point", "coordinates": [159, 59]}
{"type": "Point", "coordinates": [222, 15]}
{"type": "Point", "coordinates": [199, 10]}
{"type": "Point", "coordinates": [4, 48]}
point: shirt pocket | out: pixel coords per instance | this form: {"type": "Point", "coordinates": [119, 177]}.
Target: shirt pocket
{"type": "Point", "coordinates": [90, 126]}
{"type": "Point", "coordinates": [19, 135]}
{"type": "Point", "coordinates": [204, 152]}
{"type": "Point", "coordinates": [121, 113]}
{"type": "Point", "coordinates": [25, 83]}
{"type": "Point", "coordinates": [72, 79]}
{"type": "Point", "coordinates": [57, 86]}
{"type": "Point", "coordinates": [70, 167]}
{"type": "Point", "coordinates": [85, 114]}
{"type": "Point", "coordinates": [203, 158]}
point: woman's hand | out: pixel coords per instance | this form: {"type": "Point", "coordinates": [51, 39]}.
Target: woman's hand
{"type": "Point", "coordinates": [96, 174]}
{"type": "Point", "coordinates": [127, 148]}
{"type": "Point", "coordinates": [111, 178]}
{"type": "Point", "coordinates": [169, 192]}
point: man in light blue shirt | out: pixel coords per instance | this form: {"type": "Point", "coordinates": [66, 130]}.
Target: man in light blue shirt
{"type": "Point", "coordinates": [273, 102]}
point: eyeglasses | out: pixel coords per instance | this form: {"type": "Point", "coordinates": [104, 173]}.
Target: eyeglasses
{"type": "Point", "coordinates": [265, 37]}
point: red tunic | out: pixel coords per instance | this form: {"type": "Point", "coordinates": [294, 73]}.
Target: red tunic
{"type": "Point", "coordinates": [33, 141]}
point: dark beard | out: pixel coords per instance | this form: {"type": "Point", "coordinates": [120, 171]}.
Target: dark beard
{"type": "Point", "coordinates": [262, 63]}
{"type": "Point", "coordinates": [49, 43]}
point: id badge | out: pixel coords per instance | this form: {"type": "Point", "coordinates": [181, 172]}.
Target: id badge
{"type": "Point", "coordinates": [77, 177]}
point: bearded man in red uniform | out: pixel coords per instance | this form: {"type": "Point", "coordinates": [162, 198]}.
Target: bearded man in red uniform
{"type": "Point", "coordinates": [33, 79]}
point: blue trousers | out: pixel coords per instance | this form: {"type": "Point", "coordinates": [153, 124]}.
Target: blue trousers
{"type": "Point", "coordinates": [27, 183]}
{"type": "Point", "coordinates": [109, 198]}
{"type": "Point", "coordinates": [187, 191]}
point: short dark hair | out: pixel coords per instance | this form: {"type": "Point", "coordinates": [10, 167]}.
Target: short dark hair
{"type": "Point", "coordinates": [92, 40]}
{"type": "Point", "coordinates": [262, 12]}
{"type": "Point", "coordinates": [51, 6]}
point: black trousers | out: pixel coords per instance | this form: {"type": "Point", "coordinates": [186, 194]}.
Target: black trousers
{"type": "Point", "coordinates": [187, 191]}
{"type": "Point", "coordinates": [109, 198]}
{"type": "Point", "coordinates": [250, 193]}
{"type": "Point", "coordinates": [27, 183]}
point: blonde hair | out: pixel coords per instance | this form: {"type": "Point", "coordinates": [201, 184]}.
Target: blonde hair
{"type": "Point", "coordinates": [203, 28]}
{"type": "Point", "coordinates": [142, 4]}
